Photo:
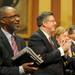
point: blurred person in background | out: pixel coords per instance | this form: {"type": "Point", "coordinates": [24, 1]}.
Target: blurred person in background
{"type": "Point", "coordinates": [69, 59]}
{"type": "Point", "coordinates": [61, 35]}
{"type": "Point", "coordinates": [71, 34]}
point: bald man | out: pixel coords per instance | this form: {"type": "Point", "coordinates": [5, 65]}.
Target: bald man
{"type": "Point", "coordinates": [9, 23]}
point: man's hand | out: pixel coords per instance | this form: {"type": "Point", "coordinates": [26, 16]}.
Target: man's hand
{"type": "Point", "coordinates": [28, 67]}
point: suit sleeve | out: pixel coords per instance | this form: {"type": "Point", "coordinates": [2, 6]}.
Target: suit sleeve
{"type": "Point", "coordinates": [6, 65]}
{"type": "Point", "coordinates": [49, 56]}
{"type": "Point", "coordinates": [7, 70]}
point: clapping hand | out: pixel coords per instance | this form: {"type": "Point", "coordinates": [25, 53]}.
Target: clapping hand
{"type": "Point", "coordinates": [65, 43]}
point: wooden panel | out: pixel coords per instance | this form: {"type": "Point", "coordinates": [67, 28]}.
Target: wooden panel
{"type": "Point", "coordinates": [66, 13]}
{"type": "Point", "coordinates": [44, 5]}
{"type": "Point", "coordinates": [35, 12]}
{"type": "Point", "coordinates": [73, 12]}
{"type": "Point", "coordinates": [55, 7]}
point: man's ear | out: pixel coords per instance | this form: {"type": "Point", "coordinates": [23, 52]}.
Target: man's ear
{"type": "Point", "coordinates": [44, 23]}
{"type": "Point", "coordinates": [2, 21]}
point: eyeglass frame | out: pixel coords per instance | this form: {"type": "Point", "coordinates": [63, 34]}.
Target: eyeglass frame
{"type": "Point", "coordinates": [11, 17]}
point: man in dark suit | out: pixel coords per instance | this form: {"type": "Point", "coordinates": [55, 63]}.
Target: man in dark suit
{"type": "Point", "coordinates": [9, 23]}
{"type": "Point", "coordinates": [41, 43]}
{"type": "Point", "coordinates": [71, 59]}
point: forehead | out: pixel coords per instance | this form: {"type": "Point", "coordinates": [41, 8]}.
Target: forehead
{"type": "Point", "coordinates": [51, 17]}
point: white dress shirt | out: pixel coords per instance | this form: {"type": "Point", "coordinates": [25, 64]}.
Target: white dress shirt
{"type": "Point", "coordinates": [48, 36]}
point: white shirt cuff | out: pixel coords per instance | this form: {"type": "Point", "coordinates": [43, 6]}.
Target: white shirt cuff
{"type": "Point", "coordinates": [61, 51]}
{"type": "Point", "coordinates": [21, 70]}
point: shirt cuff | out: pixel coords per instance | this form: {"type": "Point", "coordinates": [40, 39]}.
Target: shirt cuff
{"type": "Point", "coordinates": [61, 51]}
{"type": "Point", "coordinates": [21, 70]}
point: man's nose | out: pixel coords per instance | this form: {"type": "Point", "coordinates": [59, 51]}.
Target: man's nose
{"type": "Point", "coordinates": [17, 19]}
{"type": "Point", "coordinates": [55, 23]}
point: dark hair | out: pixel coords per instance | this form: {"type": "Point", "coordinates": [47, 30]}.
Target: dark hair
{"type": "Point", "coordinates": [70, 30]}
{"type": "Point", "coordinates": [42, 17]}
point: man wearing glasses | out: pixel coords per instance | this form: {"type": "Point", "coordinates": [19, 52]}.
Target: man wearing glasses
{"type": "Point", "coordinates": [41, 41]}
{"type": "Point", "coordinates": [9, 23]}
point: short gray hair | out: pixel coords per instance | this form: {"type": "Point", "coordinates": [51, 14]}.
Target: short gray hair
{"type": "Point", "coordinates": [43, 16]}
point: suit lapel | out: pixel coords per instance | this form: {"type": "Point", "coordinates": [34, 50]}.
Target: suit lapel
{"type": "Point", "coordinates": [46, 41]}
{"type": "Point", "coordinates": [5, 42]}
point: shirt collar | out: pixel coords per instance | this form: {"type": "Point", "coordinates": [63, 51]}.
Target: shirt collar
{"type": "Point", "coordinates": [46, 34]}
{"type": "Point", "coordinates": [7, 34]}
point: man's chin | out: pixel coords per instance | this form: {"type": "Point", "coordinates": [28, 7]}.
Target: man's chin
{"type": "Point", "coordinates": [16, 29]}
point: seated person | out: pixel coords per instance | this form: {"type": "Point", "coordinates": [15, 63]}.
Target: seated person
{"type": "Point", "coordinates": [41, 42]}
{"type": "Point", "coordinates": [71, 34]}
{"type": "Point", "coordinates": [69, 61]}
{"type": "Point", "coordinates": [9, 23]}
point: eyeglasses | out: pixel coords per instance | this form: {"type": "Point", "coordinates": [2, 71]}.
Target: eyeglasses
{"type": "Point", "coordinates": [11, 17]}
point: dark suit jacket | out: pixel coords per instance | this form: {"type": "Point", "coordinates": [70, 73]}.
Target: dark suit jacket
{"type": "Point", "coordinates": [72, 59]}
{"type": "Point", "coordinates": [52, 59]}
{"type": "Point", "coordinates": [70, 66]}
{"type": "Point", "coordinates": [72, 62]}
{"type": "Point", "coordinates": [73, 49]}
{"type": "Point", "coordinates": [6, 65]}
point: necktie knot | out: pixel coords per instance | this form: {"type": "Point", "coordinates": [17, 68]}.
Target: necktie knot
{"type": "Point", "coordinates": [51, 41]}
